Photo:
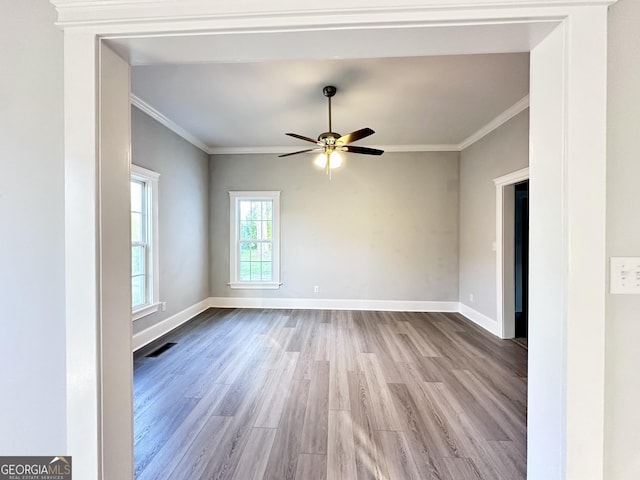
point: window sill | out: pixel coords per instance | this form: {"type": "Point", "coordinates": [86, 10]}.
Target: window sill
{"type": "Point", "coordinates": [255, 285]}
{"type": "Point", "coordinates": [144, 311]}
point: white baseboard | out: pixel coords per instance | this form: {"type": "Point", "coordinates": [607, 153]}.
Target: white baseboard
{"type": "Point", "coordinates": [480, 319]}
{"type": "Point", "coordinates": [333, 304]}
{"type": "Point", "coordinates": [154, 332]}
{"type": "Point", "coordinates": [162, 328]}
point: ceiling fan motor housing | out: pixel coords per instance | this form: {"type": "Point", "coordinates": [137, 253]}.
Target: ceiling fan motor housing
{"type": "Point", "coordinates": [329, 138]}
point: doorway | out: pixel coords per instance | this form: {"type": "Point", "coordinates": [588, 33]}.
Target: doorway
{"type": "Point", "coordinates": [521, 262]}
{"type": "Point", "coordinates": [567, 59]}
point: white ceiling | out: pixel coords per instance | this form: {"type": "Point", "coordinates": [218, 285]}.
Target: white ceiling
{"type": "Point", "coordinates": [242, 93]}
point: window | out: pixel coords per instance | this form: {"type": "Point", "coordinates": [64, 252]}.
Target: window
{"type": "Point", "coordinates": [254, 240]}
{"type": "Point", "coordinates": [144, 242]}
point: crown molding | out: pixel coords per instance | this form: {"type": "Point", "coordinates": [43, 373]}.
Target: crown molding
{"type": "Point", "coordinates": [504, 117]}
{"type": "Point", "coordinates": [167, 122]}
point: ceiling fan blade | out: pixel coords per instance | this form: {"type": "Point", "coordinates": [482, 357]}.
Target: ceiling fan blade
{"type": "Point", "coordinates": [365, 150]}
{"type": "Point", "coordinates": [301, 151]}
{"type": "Point", "coordinates": [306, 139]}
{"type": "Point", "coordinates": [355, 136]}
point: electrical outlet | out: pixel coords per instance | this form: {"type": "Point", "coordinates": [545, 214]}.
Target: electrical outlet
{"type": "Point", "coordinates": [471, 297]}
{"type": "Point", "coordinates": [163, 306]}
{"type": "Point", "coordinates": [625, 275]}
{"type": "Point", "coordinates": [316, 289]}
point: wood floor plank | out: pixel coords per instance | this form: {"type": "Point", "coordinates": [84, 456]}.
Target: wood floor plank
{"type": "Point", "coordinates": [182, 438]}
{"type": "Point", "coordinates": [322, 394]}
{"type": "Point", "coordinates": [338, 386]}
{"type": "Point", "coordinates": [462, 468]}
{"type": "Point", "coordinates": [316, 419]}
{"type": "Point", "coordinates": [422, 343]}
{"type": "Point", "coordinates": [383, 406]}
{"type": "Point", "coordinates": [273, 399]}
{"type": "Point", "coordinates": [149, 440]}
{"type": "Point", "coordinates": [253, 461]}
{"type": "Point", "coordinates": [286, 446]}
{"type": "Point", "coordinates": [370, 459]}
{"type": "Point", "coordinates": [401, 464]}
{"type": "Point", "coordinates": [341, 459]}
{"type": "Point", "coordinates": [312, 467]}
{"type": "Point", "coordinates": [194, 461]}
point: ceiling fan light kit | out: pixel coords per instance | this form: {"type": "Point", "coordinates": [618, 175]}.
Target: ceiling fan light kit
{"type": "Point", "coordinates": [330, 143]}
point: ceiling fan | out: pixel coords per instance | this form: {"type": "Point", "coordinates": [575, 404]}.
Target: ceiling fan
{"type": "Point", "coordinates": [329, 143]}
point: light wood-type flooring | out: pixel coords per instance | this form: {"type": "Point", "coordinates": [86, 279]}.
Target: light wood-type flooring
{"type": "Point", "coordinates": [312, 394]}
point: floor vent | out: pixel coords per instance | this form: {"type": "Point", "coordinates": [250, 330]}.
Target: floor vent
{"type": "Point", "coordinates": [159, 351]}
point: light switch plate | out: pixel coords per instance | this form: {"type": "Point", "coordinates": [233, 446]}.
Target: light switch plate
{"type": "Point", "coordinates": [625, 275]}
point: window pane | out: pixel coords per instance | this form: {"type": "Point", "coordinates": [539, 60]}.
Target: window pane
{"type": "Point", "coordinates": [267, 227]}
{"type": "Point", "coordinates": [258, 227]}
{"type": "Point", "coordinates": [248, 230]}
{"type": "Point", "coordinates": [137, 230]}
{"type": "Point", "coordinates": [267, 210]}
{"type": "Point", "coordinates": [266, 251]}
{"type": "Point", "coordinates": [138, 260]}
{"type": "Point", "coordinates": [245, 209]}
{"type": "Point", "coordinates": [138, 291]}
{"type": "Point", "coordinates": [256, 210]}
{"type": "Point", "coordinates": [256, 272]}
{"type": "Point", "coordinates": [136, 196]}
{"type": "Point", "coordinates": [266, 271]}
{"type": "Point", "coordinates": [245, 252]}
{"type": "Point", "coordinates": [245, 271]}
{"type": "Point", "coordinates": [255, 252]}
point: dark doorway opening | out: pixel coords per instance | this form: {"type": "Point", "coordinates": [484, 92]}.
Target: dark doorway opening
{"type": "Point", "coordinates": [521, 254]}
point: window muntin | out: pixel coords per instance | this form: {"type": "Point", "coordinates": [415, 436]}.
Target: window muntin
{"type": "Point", "coordinates": [254, 240]}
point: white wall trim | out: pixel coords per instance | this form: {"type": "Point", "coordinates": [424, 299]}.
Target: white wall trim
{"type": "Point", "coordinates": [167, 122]}
{"type": "Point", "coordinates": [504, 117]}
{"type": "Point", "coordinates": [333, 304]}
{"type": "Point", "coordinates": [275, 150]}
{"type": "Point", "coordinates": [80, 13]}
{"type": "Point", "coordinates": [489, 324]}
{"type": "Point", "coordinates": [506, 328]}
{"type": "Point", "coordinates": [511, 178]}
{"type": "Point", "coordinates": [154, 332]}
{"type": "Point", "coordinates": [483, 131]}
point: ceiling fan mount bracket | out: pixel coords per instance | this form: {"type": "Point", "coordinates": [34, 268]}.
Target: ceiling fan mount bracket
{"type": "Point", "coordinates": [329, 91]}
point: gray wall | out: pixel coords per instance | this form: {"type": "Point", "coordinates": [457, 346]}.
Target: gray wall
{"type": "Point", "coordinates": [32, 322]}
{"type": "Point", "coordinates": [622, 415]}
{"type": "Point", "coordinates": [183, 214]}
{"type": "Point", "coordinates": [383, 228]}
{"type": "Point", "coordinates": [504, 150]}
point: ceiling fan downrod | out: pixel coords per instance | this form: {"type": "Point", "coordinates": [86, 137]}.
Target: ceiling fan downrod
{"type": "Point", "coordinates": [329, 91]}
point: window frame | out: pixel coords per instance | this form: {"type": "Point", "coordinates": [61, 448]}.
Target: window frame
{"type": "Point", "coordinates": [152, 265]}
{"type": "Point", "coordinates": [234, 239]}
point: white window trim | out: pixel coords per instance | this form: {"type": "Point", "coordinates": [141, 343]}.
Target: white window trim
{"type": "Point", "coordinates": [234, 281]}
{"type": "Point", "coordinates": [150, 177]}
